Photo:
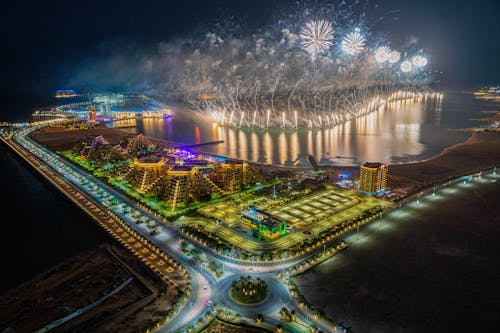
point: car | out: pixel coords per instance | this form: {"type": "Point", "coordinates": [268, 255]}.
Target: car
{"type": "Point", "coordinates": [205, 287]}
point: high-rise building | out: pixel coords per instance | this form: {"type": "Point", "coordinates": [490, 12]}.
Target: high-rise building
{"type": "Point", "coordinates": [373, 178]}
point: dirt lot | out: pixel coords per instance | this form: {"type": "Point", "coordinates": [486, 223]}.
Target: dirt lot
{"type": "Point", "coordinates": [81, 280]}
{"type": "Point", "coordinates": [59, 140]}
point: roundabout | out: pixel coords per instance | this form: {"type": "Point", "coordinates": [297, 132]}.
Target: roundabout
{"type": "Point", "coordinates": [249, 291]}
{"type": "Point", "coordinates": [276, 296]}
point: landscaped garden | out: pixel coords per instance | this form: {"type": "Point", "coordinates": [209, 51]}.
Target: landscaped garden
{"type": "Point", "coordinates": [247, 290]}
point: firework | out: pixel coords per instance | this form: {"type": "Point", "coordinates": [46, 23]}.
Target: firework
{"type": "Point", "coordinates": [353, 43]}
{"type": "Point", "coordinates": [394, 56]}
{"type": "Point", "coordinates": [261, 79]}
{"type": "Point", "coordinates": [419, 61]}
{"type": "Point", "coordinates": [316, 37]}
{"type": "Point", "coordinates": [406, 66]}
{"type": "Point", "coordinates": [382, 54]}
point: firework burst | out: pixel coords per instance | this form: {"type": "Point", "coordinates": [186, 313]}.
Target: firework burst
{"type": "Point", "coordinates": [353, 43]}
{"type": "Point", "coordinates": [406, 66]}
{"type": "Point", "coordinates": [419, 61]}
{"type": "Point", "coordinates": [262, 80]}
{"type": "Point", "coordinates": [394, 57]}
{"type": "Point", "coordinates": [316, 37]}
{"type": "Point", "coordinates": [382, 54]}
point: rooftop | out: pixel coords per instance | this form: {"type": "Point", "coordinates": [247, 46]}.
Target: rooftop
{"type": "Point", "coordinates": [373, 165]}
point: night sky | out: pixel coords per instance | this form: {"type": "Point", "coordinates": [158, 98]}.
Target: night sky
{"type": "Point", "coordinates": [44, 45]}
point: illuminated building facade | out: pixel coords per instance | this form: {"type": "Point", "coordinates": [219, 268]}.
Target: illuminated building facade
{"type": "Point", "coordinates": [266, 225]}
{"type": "Point", "coordinates": [177, 185]}
{"type": "Point", "coordinates": [91, 115]}
{"type": "Point", "coordinates": [175, 175]}
{"type": "Point", "coordinates": [229, 176]}
{"type": "Point", "coordinates": [137, 144]}
{"type": "Point", "coordinates": [373, 178]}
{"type": "Point", "coordinates": [144, 173]}
{"type": "Point", "coordinates": [90, 145]}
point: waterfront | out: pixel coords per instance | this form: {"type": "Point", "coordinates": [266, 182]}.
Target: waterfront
{"type": "Point", "coordinates": [402, 133]}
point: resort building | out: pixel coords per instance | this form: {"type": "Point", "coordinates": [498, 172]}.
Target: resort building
{"type": "Point", "coordinates": [229, 176]}
{"type": "Point", "coordinates": [89, 145]}
{"type": "Point", "coordinates": [373, 178]}
{"type": "Point", "coordinates": [187, 182]}
{"type": "Point", "coordinates": [265, 225]}
{"type": "Point", "coordinates": [136, 145]}
{"type": "Point", "coordinates": [178, 179]}
{"type": "Point", "coordinates": [145, 172]}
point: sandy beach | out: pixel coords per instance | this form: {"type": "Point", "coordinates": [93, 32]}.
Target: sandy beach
{"type": "Point", "coordinates": [481, 151]}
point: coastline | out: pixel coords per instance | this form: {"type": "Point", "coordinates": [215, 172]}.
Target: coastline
{"type": "Point", "coordinates": [481, 151]}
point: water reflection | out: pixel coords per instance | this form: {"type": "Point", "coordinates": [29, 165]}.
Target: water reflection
{"type": "Point", "coordinates": [282, 148]}
{"type": "Point", "coordinates": [393, 133]}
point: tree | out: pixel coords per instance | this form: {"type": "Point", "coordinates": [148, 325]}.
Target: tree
{"type": "Point", "coordinates": [285, 314]}
{"type": "Point", "coordinates": [293, 315]}
{"type": "Point", "coordinates": [183, 244]}
{"type": "Point", "coordinates": [229, 314]}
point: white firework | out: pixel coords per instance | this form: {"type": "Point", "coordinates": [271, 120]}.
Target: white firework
{"type": "Point", "coordinates": [382, 54]}
{"type": "Point", "coordinates": [419, 61]}
{"type": "Point", "coordinates": [353, 43]}
{"type": "Point", "coordinates": [316, 37]}
{"type": "Point", "coordinates": [406, 66]}
{"type": "Point", "coordinates": [394, 57]}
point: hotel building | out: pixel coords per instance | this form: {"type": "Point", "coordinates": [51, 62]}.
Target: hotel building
{"type": "Point", "coordinates": [373, 178]}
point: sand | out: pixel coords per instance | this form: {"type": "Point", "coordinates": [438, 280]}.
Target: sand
{"type": "Point", "coordinates": [60, 140]}
{"type": "Point", "coordinates": [481, 151]}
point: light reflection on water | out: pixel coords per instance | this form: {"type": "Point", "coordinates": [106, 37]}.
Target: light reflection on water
{"type": "Point", "coordinates": [399, 132]}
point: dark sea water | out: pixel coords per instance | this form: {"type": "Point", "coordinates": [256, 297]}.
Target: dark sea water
{"type": "Point", "coordinates": [401, 132]}
{"type": "Point", "coordinates": [40, 227]}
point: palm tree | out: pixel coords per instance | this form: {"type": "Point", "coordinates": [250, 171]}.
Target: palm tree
{"type": "Point", "coordinates": [293, 315]}
{"type": "Point", "coordinates": [285, 314]}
